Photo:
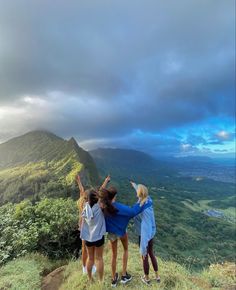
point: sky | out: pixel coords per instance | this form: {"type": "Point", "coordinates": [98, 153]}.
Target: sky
{"type": "Point", "coordinates": [156, 76]}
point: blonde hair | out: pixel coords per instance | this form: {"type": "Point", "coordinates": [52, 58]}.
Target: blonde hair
{"type": "Point", "coordinates": [142, 193]}
{"type": "Point", "coordinates": [82, 200]}
{"type": "Point", "coordinates": [81, 203]}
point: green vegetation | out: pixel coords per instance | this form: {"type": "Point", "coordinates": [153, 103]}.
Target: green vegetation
{"type": "Point", "coordinates": [203, 205]}
{"type": "Point", "coordinates": [26, 273]}
{"type": "Point", "coordinates": [184, 233]}
{"type": "Point", "coordinates": [40, 164]}
{"type": "Point", "coordinates": [49, 227]}
{"type": "Point", "coordinates": [173, 275]}
{"type": "Point", "coordinates": [40, 168]}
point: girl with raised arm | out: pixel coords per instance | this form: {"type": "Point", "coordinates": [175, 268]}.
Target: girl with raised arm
{"type": "Point", "coordinates": [83, 198]}
{"type": "Point", "coordinates": [93, 228]}
{"type": "Point", "coordinates": [146, 228]}
{"type": "Point", "coordinates": [80, 204]}
{"type": "Point", "coordinates": [117, 217]}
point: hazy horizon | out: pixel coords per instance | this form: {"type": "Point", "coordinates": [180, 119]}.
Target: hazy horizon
{"type": "Point", "coordinates": [156, 77]}
{"type": "Point", "coordinates": [213, 156]}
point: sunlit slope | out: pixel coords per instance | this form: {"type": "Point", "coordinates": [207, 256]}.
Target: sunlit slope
{"type": "Point", "coordinates": [41, 164]}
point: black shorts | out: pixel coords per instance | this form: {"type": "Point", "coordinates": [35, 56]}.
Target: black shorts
{"type": "Point", "coordinates": [96, 244]}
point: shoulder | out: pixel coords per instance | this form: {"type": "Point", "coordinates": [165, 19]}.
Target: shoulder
{"type": "Point", "coordinates": [122, 208]}
{"type": "Point", "coordinates": [118, 204]}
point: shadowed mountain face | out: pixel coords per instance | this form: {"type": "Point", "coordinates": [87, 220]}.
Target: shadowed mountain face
{"type": "Point", "coordinates": [136, 164]}
{"type": "Point", "coordinates": [130, 163]}
{"type": "Point", "coordinates": [40, 163]}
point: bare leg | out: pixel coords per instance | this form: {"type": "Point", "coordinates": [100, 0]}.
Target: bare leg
{"type": "Point", "coordinates": [90, 261]}
{"type": "Point", "coordinates": [124, 241]}
{"type": "Point", "coordinates": [99, 261]}
{"type": "Point", "coordinates": [113, 258]}
{"type": "Point", "coordinates": [84, 254]}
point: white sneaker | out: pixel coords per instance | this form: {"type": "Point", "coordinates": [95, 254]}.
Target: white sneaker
{"type": "Point", "coordinates": [94, 269]}
{"type": "Point", "coordinates": [84, 270]}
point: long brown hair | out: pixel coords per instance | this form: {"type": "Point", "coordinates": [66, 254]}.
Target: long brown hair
{"type": "Point", "coordinates": [106, 196]}
{"type": "Point", "coordinates": [92, 197]}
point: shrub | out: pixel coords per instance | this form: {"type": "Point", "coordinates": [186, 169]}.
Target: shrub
{"type": "Point", "coordinates": [50, 227]}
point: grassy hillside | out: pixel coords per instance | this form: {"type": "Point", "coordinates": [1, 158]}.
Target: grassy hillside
{"type": "Point", "coordinates": [185, 233]}
{"type": "Point", "coordinates": [27, 273]}
{"type": "Point", "coordinates": [41, 164]}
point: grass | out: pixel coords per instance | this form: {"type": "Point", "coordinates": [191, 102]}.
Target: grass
{"type": "Point", "coordinates": [173, 275]}
{"type": "Point", "coordinates": [26, 273]}
{"type": "Point", "coordinates": [203, 205]}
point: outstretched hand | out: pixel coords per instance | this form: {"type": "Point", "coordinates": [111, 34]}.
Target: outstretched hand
{"type": "Point", "coordinates": [106, 181]}
{"type": "Point", "coordinates": [78, 178]}
{"type": "Point", "coordinates": [132, 184]}
{"type": "Point", "coordinates": [81, 188]}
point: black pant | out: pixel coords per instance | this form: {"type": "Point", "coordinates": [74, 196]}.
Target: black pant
{"type": "Point", "coordinates": [152, 257]}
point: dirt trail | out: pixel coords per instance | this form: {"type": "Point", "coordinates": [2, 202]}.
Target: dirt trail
{"type": "Point", "coordinates": [53, 280]}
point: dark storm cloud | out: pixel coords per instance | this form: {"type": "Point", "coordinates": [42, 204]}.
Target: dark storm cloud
{"type": "Point", "coordinates": [102, 69]}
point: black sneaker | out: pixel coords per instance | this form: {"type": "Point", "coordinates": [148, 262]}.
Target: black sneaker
{"type": "Point", "coordinates": [115, 281]}
{"type": "Point", "coordinates": [126, 278]}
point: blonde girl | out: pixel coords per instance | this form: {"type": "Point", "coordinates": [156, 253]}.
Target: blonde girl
{"type": "Point", "coordinates": [146, 228]}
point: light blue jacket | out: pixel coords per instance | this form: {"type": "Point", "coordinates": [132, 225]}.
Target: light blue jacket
{"type": "Point", "coordinates": [145, 226]}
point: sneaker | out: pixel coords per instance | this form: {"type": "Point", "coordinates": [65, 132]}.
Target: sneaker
{"type": "Point", "coordinates": [115, 281]}
{"type": "Point", "coordinates": [158, 280]}
{"type": "Point", "coordinates": [145, 281]}
{"type": "Point", "coordinates": [84, 270]}
{"type": "Point", "coordinates": [94, 269]}
{"type": "Point", "coordinates": [126, 278]}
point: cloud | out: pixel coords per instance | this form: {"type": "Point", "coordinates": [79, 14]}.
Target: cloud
{"type": "Point", "coordinates": [224, 135]}
{"type": "Point", "coordinates": [103, 70]}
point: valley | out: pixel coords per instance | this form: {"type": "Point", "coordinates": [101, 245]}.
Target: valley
{"type": "Point", "coordinates": [195, 216]}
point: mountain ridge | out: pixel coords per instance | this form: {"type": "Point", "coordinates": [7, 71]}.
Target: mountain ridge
{"type": "Point", "coordinates": [40, 162]}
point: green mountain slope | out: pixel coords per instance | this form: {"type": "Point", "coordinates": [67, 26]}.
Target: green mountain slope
{"type": "Point", "coordinates": [41, 164]}
{"type": "Point", "coordinates": [185, 233]}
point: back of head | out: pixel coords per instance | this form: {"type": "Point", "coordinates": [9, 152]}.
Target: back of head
{"type": "Point", "coordinates": [106, 196]}
{"type": "Point", "coordinates": [112, 192]}
{"type": "Point", "coordinates": [92, 197]}
{"type": "Point", "coordinates": [142, 193]}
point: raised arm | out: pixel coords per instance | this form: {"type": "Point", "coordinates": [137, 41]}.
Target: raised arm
{"type": "Point", "coordinates": [132, 211]}
{"type": "Point", "coordinates": [105, 182]}
{"type": "Point", "coordinates": [134, 185]}
{"type": "Point", "coordinates": [81, 188]}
